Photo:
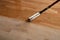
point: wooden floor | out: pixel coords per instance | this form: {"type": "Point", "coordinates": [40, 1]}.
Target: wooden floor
{"type": "Point", "coordinates": [22, 9]}
{"type": "Point", "coordinates": [13, 14]}
{"type": "Point", "coordinates": [13, 29]}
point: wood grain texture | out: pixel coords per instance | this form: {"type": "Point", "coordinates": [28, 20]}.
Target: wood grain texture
{"type": "Point", "coordinates": [22, 9]}
{"type": "Point", "coordinates": [14, 27]}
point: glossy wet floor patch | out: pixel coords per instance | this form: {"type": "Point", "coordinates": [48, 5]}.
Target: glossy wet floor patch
{"type": "Point", "coordinates": [14, 29]}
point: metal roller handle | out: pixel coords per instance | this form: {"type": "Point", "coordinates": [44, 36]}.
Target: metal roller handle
{"type": "Point", "coordinates": [39, 13]}
{"type": "Point", "coordinates": [34, 16]}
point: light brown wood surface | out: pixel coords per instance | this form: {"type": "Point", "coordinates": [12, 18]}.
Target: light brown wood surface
{"type": "Point", "coordinates": [22, 9]}
{"type": "Point", "coordinates": [13, 14]}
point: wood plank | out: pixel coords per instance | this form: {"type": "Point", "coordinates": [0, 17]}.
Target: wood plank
{"type": "Point", "coordinates": [22, 9]}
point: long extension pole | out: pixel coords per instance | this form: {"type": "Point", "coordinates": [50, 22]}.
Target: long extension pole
{"type": "Point", "coordinates": [40, 12]}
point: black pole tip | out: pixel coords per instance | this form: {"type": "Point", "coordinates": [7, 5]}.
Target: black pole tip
{"type": "Point", "coordinates": [28, 20]}
{"type": "Point", "coordinates": [58, 0]}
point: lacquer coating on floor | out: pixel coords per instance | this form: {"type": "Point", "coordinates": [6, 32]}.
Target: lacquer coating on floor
{"type": "Point", "coordinates": [14, 29]}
